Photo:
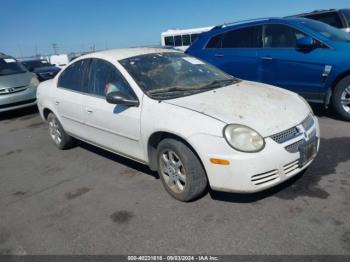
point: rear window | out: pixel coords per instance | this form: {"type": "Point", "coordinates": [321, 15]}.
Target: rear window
{"type": "Point", "coordinates": [9, 66]}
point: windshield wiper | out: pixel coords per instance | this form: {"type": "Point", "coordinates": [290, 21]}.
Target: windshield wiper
{"type": "Point", "coordinates": [220, 83]}
{"type": "Point", "coordinates": [167, 90]}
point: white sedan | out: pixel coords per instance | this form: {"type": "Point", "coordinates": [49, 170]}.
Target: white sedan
{"type": "Point", "coordinates": [188, 120]}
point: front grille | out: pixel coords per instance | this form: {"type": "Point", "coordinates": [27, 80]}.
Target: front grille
{"type": "Point", "coordinates": [285, 135]}
{"type": "Point", "coordinates": [291, 167]}
{"type": "Point", "coordinates": [264, 178]}
{"type": "Point", "coordinates": [18, 103]}
{"type": "Point", "coordinates": [6, 91]}
{"type": "Point", "coordinates": [293, 132]}
{"type": "Point", "coordinates": [294, 148]}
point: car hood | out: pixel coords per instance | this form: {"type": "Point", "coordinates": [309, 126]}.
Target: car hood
{"type": "Point", "coordinates": [265, 108]}
{"type": "Point", "coordinates": [16, 80]}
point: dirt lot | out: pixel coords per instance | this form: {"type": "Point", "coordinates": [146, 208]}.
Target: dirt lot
{"type": "Point", "coordinates": [88, 201]}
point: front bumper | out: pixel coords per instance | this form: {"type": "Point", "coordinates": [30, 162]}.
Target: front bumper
{"type": "Point", "coordinates": [252, 172]}
{"type": "Point", "coordinates": [12, 101]}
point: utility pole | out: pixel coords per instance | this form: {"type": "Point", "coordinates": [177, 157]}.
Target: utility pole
{"type": "Point", "coordinates": [20, 50]}
{"type": "Point", "coordinates": [55, 48]}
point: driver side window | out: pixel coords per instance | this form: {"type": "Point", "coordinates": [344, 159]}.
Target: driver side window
{"type": "Point", "coordinates": [105, 78]}
{"type": "Point", "coordinates": [281, 36]}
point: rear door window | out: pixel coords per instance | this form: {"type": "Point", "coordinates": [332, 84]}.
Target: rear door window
{"type": "Point", "coordinates": [215, 42]}
{"type": "Point", "coordinates": [75, 76]}
{"type": "Point", "coordinates": [331, 18]}
{"type": "Point", "coordinates": [249, 37]}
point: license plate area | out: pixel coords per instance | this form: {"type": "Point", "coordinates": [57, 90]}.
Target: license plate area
{"type": "Point", "coordinates": [308, 151]}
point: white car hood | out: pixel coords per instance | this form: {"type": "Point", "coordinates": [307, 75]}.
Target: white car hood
{"type": "Point", "coordinates": [265, 108]}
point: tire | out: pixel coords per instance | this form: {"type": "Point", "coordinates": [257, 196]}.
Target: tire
{"type": "Point", "coordinates": [341, 98]}
{"type": "Point", "coordinates": [57, 133]}
{"type": "Point", "coordinates": [178, 167]}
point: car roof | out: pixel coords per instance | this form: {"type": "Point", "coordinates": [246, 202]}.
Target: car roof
{"type": "Point", "coordinates": [124, 53]}
{"type": "Point", "coordinates": [260, 21]}
{"type": "Point", "coordinates": [316, 12]}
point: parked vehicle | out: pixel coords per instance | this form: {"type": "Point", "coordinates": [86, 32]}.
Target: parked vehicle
{"type": "Point", "coordinates": [299, 54]}
{"type": "Point", "coordinates": [190, 121]}
{"type": "Point", "coordinates": [17, 85]}
{"type": "Point", "coordinates": [43, 69]}
{"type": "Point", "coordinates": [59, 60]}
{"type": "Point", "coordinates": [181, 39]}
{"type": "Point", "coordinates": [339, 18]}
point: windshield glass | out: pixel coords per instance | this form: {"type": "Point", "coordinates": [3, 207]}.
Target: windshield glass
{"type": "Point", "coordinates": [172, 74]}
{"type": "Point", "coordinates": [9, 66]}
{"type": "Point", "coordinates": [347, 14]}
{"type": "Point", "coordinates": [328, 31]}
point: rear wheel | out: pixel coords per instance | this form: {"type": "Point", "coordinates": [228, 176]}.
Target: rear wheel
{"type": "Point", "coordinates": [180, 170]}
{"type": "Point", "coordinates": [57, 133]}
{"type": "Point", "coordinates": [341, 98]}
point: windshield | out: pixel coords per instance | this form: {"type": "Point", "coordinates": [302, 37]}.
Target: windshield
{"type": "Point", "coordinates": [328, 31]}
{"type": "Point", "coordinates": [172, 74]}
{"type": "Point", "coordinates": [9, 66]}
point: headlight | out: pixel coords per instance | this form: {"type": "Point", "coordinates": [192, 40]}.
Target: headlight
{"type": "Point", "coordinates": [34, 81]}
{"type": "Point", "coordinates": [243, 138]}
{"type": "Point", "coordinates": [307, 104]}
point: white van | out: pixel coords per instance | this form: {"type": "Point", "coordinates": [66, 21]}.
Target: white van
{"type": "Point", "coordinates": [181, 39]}
{"type": "Point", "coordinates": [59, 60]}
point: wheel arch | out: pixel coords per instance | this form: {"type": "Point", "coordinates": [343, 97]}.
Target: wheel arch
{"type": "Point", "coordinates": [339, 78]}
{"type": "Point", "coordinates": [46, 112]}
{"type": "Point", "coordinates": [156, 138]}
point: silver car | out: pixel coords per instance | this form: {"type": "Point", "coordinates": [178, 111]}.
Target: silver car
{"type": "Point", "coordinates": [17, 85]}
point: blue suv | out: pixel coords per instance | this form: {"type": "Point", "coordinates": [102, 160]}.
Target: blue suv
{"type": "Point", "coordinates": [299, 54]}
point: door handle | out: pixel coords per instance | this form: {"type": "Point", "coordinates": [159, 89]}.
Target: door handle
{"type": "Point", "coordinates": [219, 55]}
{"type": "Point", "coordinates": [57, 103]}
{"type": "Point", "coordinates": [267, 58]}
{"type": "Point", "coordinates": [89, 111]}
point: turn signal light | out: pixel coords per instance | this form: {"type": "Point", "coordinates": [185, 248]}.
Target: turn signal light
{"type": "Point", "coordinates": [217, 161]}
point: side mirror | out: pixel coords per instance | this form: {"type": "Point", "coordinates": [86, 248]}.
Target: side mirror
{"type": "Point", "coordinates": [120, 98]}
{"type": "Point", "coordinates": [306, 42]}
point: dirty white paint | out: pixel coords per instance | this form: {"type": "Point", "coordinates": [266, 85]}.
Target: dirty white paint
{"type": "Point", "coordinates": [199, 119]}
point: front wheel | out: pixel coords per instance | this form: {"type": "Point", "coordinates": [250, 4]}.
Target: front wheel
{"type": "Point", "coordinates": [61, 139]}
{"type": "Point", "coordinates": [341, 98]}
{"type": "Point", "coordinates": [180, 170]}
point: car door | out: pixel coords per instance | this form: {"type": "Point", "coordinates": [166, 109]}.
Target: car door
{"type": "Point", "coordinates": [114, 127]}
{"type": "Point", "coordinates": [284, 65]}
{"type": "Point", "coordinates": [68, 97]}
{"type": "Point", "coordinates": [235, 51]}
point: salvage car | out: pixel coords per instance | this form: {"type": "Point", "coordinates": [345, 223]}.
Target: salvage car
{"type": "Point", "coordinates": [43, 69]}
{"type": "Point", "coordinates": [299, 54]}
{"type": "Point", "coordinates": [17, 85]}
{"type": "Point", "coordinates": [338, 18]}
{"type": "Point", "coordinates": [193, 123]}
